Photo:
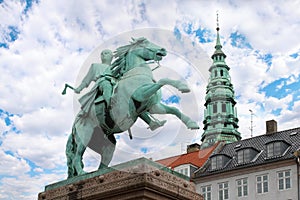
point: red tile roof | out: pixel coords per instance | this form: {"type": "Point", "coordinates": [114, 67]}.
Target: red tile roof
{"type": "Point", "coordinates": [197, 158]}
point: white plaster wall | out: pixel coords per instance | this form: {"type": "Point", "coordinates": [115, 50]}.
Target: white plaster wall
{"type": "Point", "coordinates": [273, 194]}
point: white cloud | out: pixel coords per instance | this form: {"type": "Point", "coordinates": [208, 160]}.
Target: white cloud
{"type": "Point", "coordinates": [56, 37]}
{"type": "Point", "coordinates": [12, 166]}
{"type": "Point", "coordinates": [44, 150]}
{"type": "Point", "coordinates": [290, 119]}
{"type": "Point", "coordinates": [26, 187]}
{"type": "Point", "coordinates": [11, 11]}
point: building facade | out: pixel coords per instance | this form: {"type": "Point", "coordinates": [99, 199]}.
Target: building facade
{"type": "Point", "coordinates": [263, 167]}
{"type": "Point", "coordinates": [220, 115]}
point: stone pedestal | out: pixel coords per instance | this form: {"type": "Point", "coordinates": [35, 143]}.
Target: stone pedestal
{"type": "Point", "coordinates": [138, 179]}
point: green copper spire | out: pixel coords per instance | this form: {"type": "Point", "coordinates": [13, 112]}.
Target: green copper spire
{"type": "Point", "coordinates": [220, 115]}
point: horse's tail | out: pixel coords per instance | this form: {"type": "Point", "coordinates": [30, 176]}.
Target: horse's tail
{"type": "Point", "coordinates": [70, 153]}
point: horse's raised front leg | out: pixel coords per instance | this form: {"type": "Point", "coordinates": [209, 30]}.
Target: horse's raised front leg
{"type": "Point", "coordinates": [182, 87]}
{"type": "Point", "coordinates": [164, 109]}
{"type": "Point", "coordinates": [144, 92]}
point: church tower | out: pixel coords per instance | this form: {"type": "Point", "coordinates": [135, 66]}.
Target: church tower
{"type": "Point", "coordinates": [220, 115]}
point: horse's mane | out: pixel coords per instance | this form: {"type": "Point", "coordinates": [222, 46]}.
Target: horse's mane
{"type": "Point", "coordinates": [119, 66]}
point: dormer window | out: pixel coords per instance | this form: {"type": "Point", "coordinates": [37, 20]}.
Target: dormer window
{"type": "Point", "coordinates": [246, 155]}
{"type": "Point", "coordinates": [219, 161]}
{"type": "Point", "coordinates": [276, 148]}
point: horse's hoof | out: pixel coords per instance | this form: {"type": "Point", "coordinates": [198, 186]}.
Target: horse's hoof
{"type": "Point", "coordinates": [184, 88]}
{"type": "Point", "coordinates": [192, 125]}
{"type": "Point", "coordinates": [156, 124]}
{"type": "Point", "coordinates": [81, 173]}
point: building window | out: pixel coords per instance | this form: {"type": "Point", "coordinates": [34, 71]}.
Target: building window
{"type": "Point", "coordinates": [242, 186]}
{"type": "Point", "coordinates": [223, 191]}
{"type": "Point", "coordinates": [246, 155]}
{"type": "Point", "coordinates": [221, 72]}
{"type": "Point", "coordinates": [216, 162]}
{"type": "Point", "coordinates": [219, 161]}
{"type": "Point", "coordinates": [276, 148]}
{"type": "Point", "coordinates": [284, 180]}
{"type": "Point", "coordinates": [243, 156]}
{"type": "Point", "coordinates": [223, 107]}
{"type": "Point", "coordinates": [206, 192]}
{"type": "Point", "coordinates": [215, 109]}
{"type": "Point", "coordinates": [216, 73]}
{"type": "Point", "coordinates": [262, 185]}
{"type": "Point", "coordinates": [184, 171]}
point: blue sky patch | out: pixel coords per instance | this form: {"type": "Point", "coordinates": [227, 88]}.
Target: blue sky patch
{"type": "Point", "coordinates": [13, 33]}
{"type": "Point", "coordinates": [203, 35]}
{"type": "Point", "coordinates": [188, 28]}
{"type": "Point", "coordinates": [171, 99]}
{"type": "Point", "coordinates": [9, 35]}
{"type": "Point", "coordinates": [3, 45]}
{"type": "Point", "coordinates": [239, 40]}
{"type": "Point", "coordinates": [281, 88]}
{"type": "Point", "coordinates": [9, 153]}
{"type": "Point", "coordinates": [28, 4]}
{"type": "Point", "coordinates": [294, 55]}
{"type": "Point", "coordinates": [275, 89]}
{"type": "Point", "coordinates": [32, 167]}
{"type": "Point", "coordinates": [7, 121]}
{"type": "Point", "coordinates": [266, 58]}
{"type": "Point", "coordinates": [144, 149]}
{"type": "Point", "coordinates": [5, 116]}
{"type": "Point", "coordinates": [277, 111]}
{"type": "Point", "coordinates": [177, 33]}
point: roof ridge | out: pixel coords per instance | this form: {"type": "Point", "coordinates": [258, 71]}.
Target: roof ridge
{"type": "Point", "coordinates": [257, 136]}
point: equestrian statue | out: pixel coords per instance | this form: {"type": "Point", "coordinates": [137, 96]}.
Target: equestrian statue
{"type": "Point", "coordinates": [124, 90]}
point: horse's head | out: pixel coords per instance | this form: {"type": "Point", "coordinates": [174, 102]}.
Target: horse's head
{"type": "Point", "coordinates": [147, 50]}
{"type": "Point", "coordinates": [138, 51]}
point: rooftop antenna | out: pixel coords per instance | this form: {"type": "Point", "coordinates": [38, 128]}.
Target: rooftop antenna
{"type": "Point", "coordinates": [251, 126]}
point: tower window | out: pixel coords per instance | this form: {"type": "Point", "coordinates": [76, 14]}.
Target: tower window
{"type": "Point", "coordinates": [222, 73]}
{"type": "Point", "coordinates": [223, 107]}
{"type": "Point", "coordinates": [216, 73]}
{"type": "Point", "coordinates": [215, 108]}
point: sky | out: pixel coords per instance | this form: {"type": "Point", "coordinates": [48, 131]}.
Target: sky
{"type": "Point", "coordinates": [45, 44]}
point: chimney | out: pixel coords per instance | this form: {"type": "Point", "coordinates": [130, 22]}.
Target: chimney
{"type": "Point", "coordinates": [271, 126]}
{"type": "Point", "coordinates": [193, 147]}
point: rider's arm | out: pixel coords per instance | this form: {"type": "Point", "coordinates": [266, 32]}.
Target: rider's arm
{"type": "Point", "coordinates": [89, 77]}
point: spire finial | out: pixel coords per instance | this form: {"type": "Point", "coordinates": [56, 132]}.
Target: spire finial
{"type": "Point", "coordinates": [218, 46]}
{"type": "Point", "coordinates": [217, 20]}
